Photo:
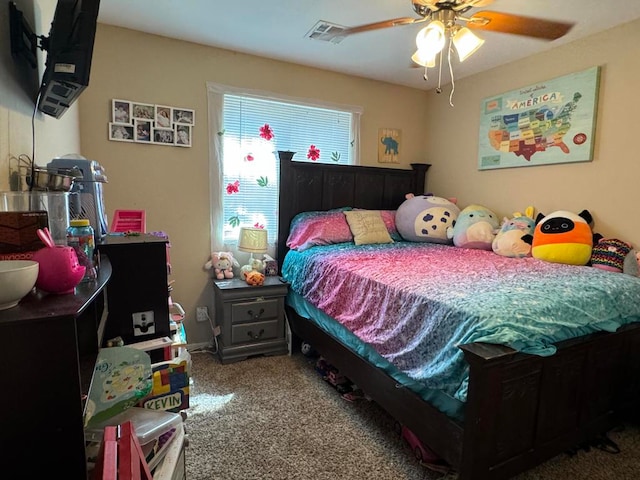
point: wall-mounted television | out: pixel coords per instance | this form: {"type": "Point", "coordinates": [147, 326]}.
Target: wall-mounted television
{"type": "Point", "coordinates": [69, 48]}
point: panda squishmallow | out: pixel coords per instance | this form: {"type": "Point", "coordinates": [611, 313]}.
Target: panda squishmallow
{"type": "Point", "coordinates": [426, 218]}
{"type": "Point", "coordinates": [563, 237]}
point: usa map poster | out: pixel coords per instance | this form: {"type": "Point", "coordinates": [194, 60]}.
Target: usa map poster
{"type": "Point", "coordinates": [545, 123]}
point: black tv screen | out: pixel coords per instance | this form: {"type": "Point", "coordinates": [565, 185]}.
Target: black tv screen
{"type": "Point", "coordinates": [69, 51]}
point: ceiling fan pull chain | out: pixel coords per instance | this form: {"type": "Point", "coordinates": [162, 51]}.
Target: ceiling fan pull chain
{"type": "Point", "coordinates": [439, 88]}
{"type": "Point", "coordinates": [453, 83]}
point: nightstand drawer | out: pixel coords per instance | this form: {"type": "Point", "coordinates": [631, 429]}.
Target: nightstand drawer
{"type": "Point", "coordinates": [254, 311]}
{"type": "Point", "coordinates": [254, 332]}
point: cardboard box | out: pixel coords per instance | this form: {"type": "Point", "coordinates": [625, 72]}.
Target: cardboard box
{"type": "Point", "coordinates": [18, 232]}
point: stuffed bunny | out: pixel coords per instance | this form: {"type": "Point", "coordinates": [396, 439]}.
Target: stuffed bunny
{"type": "Point", "coordinates": [222, 264]}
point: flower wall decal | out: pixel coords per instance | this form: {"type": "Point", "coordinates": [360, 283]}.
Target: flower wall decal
{"type": "Point", "coordinates": [266, 132]}
{"type": "Point", "coordinates": [233, 187]}
{"type": "Point", "coordinates": [313, 153]}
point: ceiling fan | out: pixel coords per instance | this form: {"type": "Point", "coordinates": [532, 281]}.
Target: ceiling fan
{"type": "Point", "coordinates": [445, 19]}
{"type": "Point", "coordinates": [453, 10]}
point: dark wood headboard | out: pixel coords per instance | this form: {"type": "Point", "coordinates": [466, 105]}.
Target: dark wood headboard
{"type": "Point", "coordinates": [306, 186]}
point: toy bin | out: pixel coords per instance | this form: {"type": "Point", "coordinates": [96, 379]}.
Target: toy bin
{"type": "Point", "coordinates": [170, 390]}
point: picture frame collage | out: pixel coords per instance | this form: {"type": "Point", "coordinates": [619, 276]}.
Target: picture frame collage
{"type": "Point", "coordinates": [150, 123]}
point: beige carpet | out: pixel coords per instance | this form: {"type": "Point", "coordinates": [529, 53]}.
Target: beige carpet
{"type": "Point", "coordinates": [274, 418]}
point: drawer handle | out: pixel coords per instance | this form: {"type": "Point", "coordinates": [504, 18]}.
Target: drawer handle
{"type": "Point", "coordinates": [257, 315]}
{"type": "Point", "coordinates": [256, 337]}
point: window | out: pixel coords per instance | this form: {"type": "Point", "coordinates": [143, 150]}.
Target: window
{"type": "Point", "coordinates": [252, 128]}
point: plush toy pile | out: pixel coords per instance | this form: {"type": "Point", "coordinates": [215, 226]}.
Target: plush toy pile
{"type": "Point", "coordinates": [255, 264]}
{"type": "Point", "coordinates": [559, 237]}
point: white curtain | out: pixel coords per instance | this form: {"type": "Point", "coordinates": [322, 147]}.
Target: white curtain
{"type": "Point", "coordinates": [215, 94]}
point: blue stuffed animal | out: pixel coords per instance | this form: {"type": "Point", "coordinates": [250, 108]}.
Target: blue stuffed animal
{"type": "Point", "coordinates": [476, 228]}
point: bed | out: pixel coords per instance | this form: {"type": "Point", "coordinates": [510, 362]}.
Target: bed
{"type": "Point", "coordinates": [494, 410]}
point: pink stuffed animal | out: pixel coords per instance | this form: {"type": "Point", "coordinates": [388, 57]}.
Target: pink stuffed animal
{"type": "Point", "coordinates": [222, 264]}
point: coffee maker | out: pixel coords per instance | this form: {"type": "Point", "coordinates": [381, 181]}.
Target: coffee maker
{"type": "Point", "coordinates": [85, 199]}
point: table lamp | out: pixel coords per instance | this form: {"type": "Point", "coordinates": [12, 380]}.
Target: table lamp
{"type": "Point", "coordinates": [252, 240]}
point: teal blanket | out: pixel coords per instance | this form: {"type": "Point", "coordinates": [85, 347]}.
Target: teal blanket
{"type": "Point", "coordinates": [415, 303]}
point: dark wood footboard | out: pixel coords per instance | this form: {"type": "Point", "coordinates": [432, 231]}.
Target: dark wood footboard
{"type": "Point", "coordinates": [521, 409]}
{"type": "Point", "coordinates": [524, 409]}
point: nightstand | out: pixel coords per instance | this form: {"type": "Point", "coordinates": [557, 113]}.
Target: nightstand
{"type": "Point", "coordinates": [251, 319]}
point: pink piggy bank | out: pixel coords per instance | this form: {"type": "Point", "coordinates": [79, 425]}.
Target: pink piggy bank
{"type": "Point", "coordinates": [59, 270]}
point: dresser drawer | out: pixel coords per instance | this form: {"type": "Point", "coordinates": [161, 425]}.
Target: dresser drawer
{"type": "Point", "coordinates": [255, 332]}
{"type": "Point", "coordinates": [254, 311]}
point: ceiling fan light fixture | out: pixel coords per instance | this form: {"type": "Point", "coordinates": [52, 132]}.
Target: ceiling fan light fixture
{"type": "Point", "coordinates": [424, 59]}
{"type": "Point", "coordinates": [466, 43]}
{"type": "Point", "coordinates": [431, 38]}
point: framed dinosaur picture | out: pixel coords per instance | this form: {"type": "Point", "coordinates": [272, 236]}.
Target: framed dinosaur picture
{"type": "Point", "coordinates": [389, 145]}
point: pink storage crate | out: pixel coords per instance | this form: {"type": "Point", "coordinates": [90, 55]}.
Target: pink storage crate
{"type": "Point", "coordinates": [129, 221]}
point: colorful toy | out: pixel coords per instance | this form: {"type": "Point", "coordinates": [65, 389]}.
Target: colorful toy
{"type": "Point", "coordinates": [170, 390]}
{"type": "Point", "coordinates": [254, 264]}
{"type": "Point", "coordinates": [222, 264]}
{"type": "Point", "coordinates": [426, 218]}
{"type": "Point", "coordinates": [59, 270]}
{"type": "Point", "coordinates": [563, 237]}
{"type": "Point", "coordinates": [254, 278]}
{"type": "Point", "coordinates": [516, 235]}
{"type": "Point", "coordinates": [609, 254]}
{"type": "Point", "coordinates": [476, 227]}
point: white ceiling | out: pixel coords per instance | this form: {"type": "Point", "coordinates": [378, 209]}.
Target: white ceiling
{"type": "Point", "coordinates": [277, 28]}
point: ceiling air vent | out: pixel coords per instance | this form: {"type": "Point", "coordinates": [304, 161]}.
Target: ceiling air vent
{"type": "Point", "coordinates": [326, 32]}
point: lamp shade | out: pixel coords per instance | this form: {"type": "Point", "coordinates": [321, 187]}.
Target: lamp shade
{"type": "Point", "coordinates": [424, 59]}
{"type": "Point", "coordinates": [431, 39]}
{"type": "Point", "coordinates": [466, 43]}
{"type": "Point", "coordinates": [253, 240]}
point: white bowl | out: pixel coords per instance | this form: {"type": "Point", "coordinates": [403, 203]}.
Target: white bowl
{"type": "Point", "coordinates": [17, 278]}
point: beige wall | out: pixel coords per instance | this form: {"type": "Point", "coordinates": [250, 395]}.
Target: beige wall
{"type": "Point", "coordinates": [607, 186]}
{"type": "Point", "coordinates": [171, 183]}
{"type": "Point", "coordinates": [52, 137]}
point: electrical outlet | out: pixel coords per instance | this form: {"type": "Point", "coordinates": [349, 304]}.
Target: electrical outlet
{"type": "Point", "coordinates": [143, 323]}
{"type": "Point", "coordinates": [216, 330]}
{"type": "Point", "coordinates": [202, 315]}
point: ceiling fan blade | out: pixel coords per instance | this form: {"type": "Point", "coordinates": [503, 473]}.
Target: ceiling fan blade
{"type": "Point", "coordinates": [384, 24]}
{"type": "Point", "coordinates": [518, 25]}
